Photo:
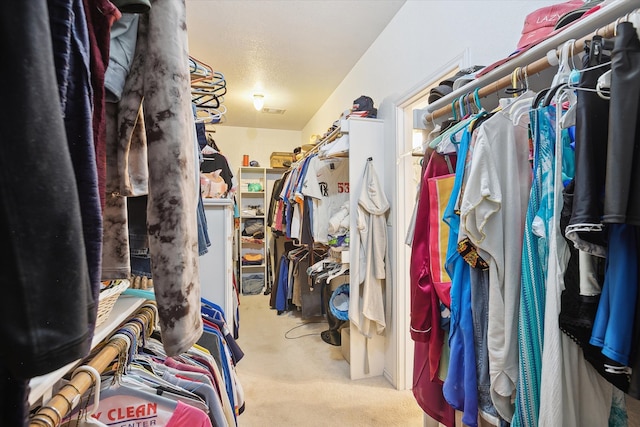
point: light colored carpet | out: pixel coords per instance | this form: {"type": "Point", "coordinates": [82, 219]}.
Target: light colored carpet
{"type": "Point", "coordinates": [305, 382]}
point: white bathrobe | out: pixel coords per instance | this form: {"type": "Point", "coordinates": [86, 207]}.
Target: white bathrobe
{"type": "Point", "coordinates": [366, 310]}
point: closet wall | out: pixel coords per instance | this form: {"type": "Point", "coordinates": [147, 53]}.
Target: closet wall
{"type": "Point", "coordinates": [421, 38]}
{"type": "Point", "coordinates": [258, 143]}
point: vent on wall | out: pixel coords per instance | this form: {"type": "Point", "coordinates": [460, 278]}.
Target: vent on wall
{"type": "Point", "coordinates": [268, 110]}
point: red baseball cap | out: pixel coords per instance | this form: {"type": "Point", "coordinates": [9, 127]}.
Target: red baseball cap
{"type": "Point", "coordinates": [541, 22]}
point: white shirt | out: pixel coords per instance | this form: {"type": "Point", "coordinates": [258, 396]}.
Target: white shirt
{"type": "Point", "coordinates": [327, 182]}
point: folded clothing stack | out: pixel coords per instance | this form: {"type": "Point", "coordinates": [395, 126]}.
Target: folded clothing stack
{"type": "Point", "coordinates": [339, 227]}
{"type": "Point", "coordinates": [252, 284]}
{"type": "Point", "coordinates": [254, 227]}
{"type": "Point", "coordinates": [252, 259]}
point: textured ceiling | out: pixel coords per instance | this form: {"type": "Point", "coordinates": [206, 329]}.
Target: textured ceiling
{"type": "Point", "coordinates": [294, 52]}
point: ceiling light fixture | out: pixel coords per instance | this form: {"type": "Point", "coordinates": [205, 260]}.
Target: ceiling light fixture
{"type": "Point", "coordinates": [258, 101]}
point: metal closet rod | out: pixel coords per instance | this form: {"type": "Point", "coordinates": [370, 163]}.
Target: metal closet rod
{"type": "Point", "coordinates": [62, 403]}
{"type": "Point", "coordinates": [527, 70]}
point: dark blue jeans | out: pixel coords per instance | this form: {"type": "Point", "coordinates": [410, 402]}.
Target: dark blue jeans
{"type": "Point", "coordinates": [70, 40]}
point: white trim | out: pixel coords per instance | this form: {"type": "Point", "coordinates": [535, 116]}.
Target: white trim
{"type": "Point", "coordinates": [461, 60]}
{"type": "Point", "coordinates": [402, 202]}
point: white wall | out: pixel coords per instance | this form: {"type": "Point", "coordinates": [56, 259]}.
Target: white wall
{"type": "Point", "coordinates": [423, 36]}
{"type": "Point", "coordinates": [258, 143]}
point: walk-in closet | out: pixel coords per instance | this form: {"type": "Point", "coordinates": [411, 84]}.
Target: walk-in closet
{"type": "Point", "coordinates": [321, 212]}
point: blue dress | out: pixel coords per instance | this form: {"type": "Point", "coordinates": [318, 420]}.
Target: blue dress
{"type": "Point", "coordinates": [535, 257]}
{"type": "Point", "coordinates": [460, 386]}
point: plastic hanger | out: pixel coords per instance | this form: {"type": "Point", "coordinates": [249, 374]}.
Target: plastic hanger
{"type": "Point", "coordinates": [344, 268]}
{"type": "Point", "coordinates": [447, 133]}
{"type": "Point", "coordinates": [163, 386]}
{"type": "Point", "coordinates": [97, 382]}
{"type": "Point", "coordinates": [569, 117]}
{"type": "Point", "coordinates": [566, 64]}
{"type": "Point", "coordinates": [210, 115]}
{"type": "Point", "coordinates": [463, 113]}
{"type": "Point", "coordinates": [603, 86]}
{"type": "Point", "coordinates": [330, 267]}
{"type": "Point", "coordinates": [515, 90]}
{"type": "Point", "coordinates": [198, 69]}
{"type": "Point", "coordinates": [214, 81]}
{"type": "Point", "coordinates": [551, 93]}
{"type": "Point", "coordinates": [539, 98]}
{"type": "Point", "coordinates": [453, 135]}
{"type": "Point", "coordinates": [453, 111]}
{"type": "Point", "coordinates": [476, 99]}
{"type": "Point", "coordinates": [120, 384]}
{"type": "Point", "coordinates": [469, 104]}
{"type": "Point", "coordinates": [521, 106]}
{"type": "Point", "coordinates": [128, 386]}
{"type": "Point", "coordinates": [566, 72]}
{"type": "Point", "coordinates": [318, 266]}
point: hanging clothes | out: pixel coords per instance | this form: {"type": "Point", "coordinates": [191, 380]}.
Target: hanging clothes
{"type": "Point", "coordinates": [479, 283]}
{"type": "Point", "coordinates": [426, 328]}
{"type": "Point", "coordinates": [327, 183]}
{"type": "Point", "coordinates": [614, 332]}
{"type": "Point", "coordinates": [460, 386]}
{"type": "Point", "coordinates": [45, 326]}
{"type": "Point", "coordinates": [535, 259]}
{"type": "Point", "coordinates": [585, 228]}
{"type": "Point", "coordinates": [366, 310]}
{"type": "Point", "coordinates": [100, 20]}
{"type": "Point", "coordinates": [173, 193]}
{"type": "Point", "coordinates": [71, 47]}
{"type": "Point", "coordinates": [497, 233]}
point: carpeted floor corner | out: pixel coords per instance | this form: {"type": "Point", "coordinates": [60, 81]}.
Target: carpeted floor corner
{"type": "Point", "coordinates": [293, 378]}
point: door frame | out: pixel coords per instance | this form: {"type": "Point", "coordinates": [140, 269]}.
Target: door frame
{"type": "Point", "coordinates": [404, 200]}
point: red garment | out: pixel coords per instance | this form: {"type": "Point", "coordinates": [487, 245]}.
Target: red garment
{"type": "Point", "coordinates": [428, 393]}
{"type": "Point", "coordinates": [420, 271]}
{"type": "Point", "coordinates": [425, 306]}
{"type": "Point", "coordinates": [101, 14]}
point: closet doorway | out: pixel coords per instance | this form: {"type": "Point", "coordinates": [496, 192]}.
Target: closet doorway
{"type": "Point", "coordinates": [409, 137]}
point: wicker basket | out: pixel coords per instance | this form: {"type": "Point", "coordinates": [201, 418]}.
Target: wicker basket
{"type": "Point", "coordinates": [108, 298]}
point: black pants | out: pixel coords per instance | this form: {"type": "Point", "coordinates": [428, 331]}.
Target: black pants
{"type": "Point", "coordinates": [622, 189]}
{"type": "Point", "coordinates": [592, 119]}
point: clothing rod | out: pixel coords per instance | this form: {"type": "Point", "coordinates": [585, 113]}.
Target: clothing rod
{"type": "Point", "coordinates": [62, 403]}
{"type": "Point", "coordinates": [329, 138]}
{"type": "Point", "coordinates": [535, 60]}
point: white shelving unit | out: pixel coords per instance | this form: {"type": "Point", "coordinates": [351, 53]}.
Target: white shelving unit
{"type": "Point", "coordinates": [366, 140]}
{"type": "Point", "coordinates": [252, 204]}
{"type": "Point", "coordinates": [42, 387]}
{"type": "Point", "coordinates": [254, 195]}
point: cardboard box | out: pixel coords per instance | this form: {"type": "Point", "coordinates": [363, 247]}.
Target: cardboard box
{"type": "Point", "coordinates": [278, 159]}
